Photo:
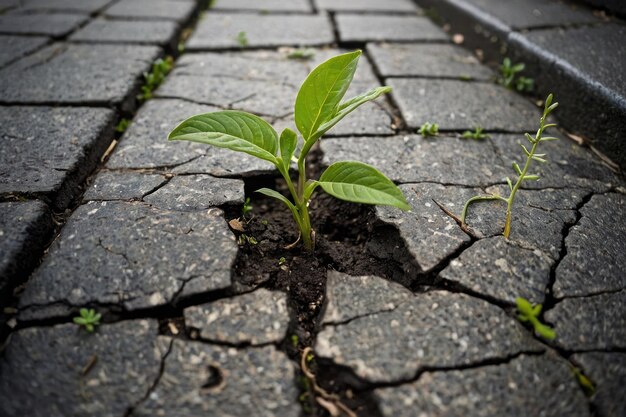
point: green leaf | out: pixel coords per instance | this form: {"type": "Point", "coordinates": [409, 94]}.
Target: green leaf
{"type": "Point", "coordinates": [361, 183]}
{"type": "Point", "coordinates": [530, 138]}
{"type": "Point", "coordinates": [538, 159]}
{"type": "Point", "coordinates": [322, 91]}
{"type": "Point", "coordinates": [544, 331]}
{"type": "Point", "coordinates": [548, 138]}
{"type": "Point", "coordinates": [525, 150]}
{"type": "Point", "coordinates": [234, 130]}
{"type": "Point", "coordinates": [524, 306]}
{"type": "Point", "coordinates": [80, 320]}
{"type": "Point", "coordinates": [508, 181]}
{"type": "Point", "coordinates": [517, 168]}
{"type": "Point", "coordinates": [531, 177]}
{"type": "Point", "coordinates": [271, 193]}
{"type": "Point", "coordinates": [288, 143]}
{"type": "Point", "coordinates": [84, 312]}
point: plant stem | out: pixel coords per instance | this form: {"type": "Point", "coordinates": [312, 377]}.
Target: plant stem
{"type": "Point", "coordinates": [479, 198]}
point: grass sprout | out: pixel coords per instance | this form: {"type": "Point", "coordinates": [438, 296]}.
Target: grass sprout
{"type": "Point", "coordinates": [429, 129]}
{"type": "Point", "coordinates": [529, 313]}
{"type": "Point", "coordinates": [88, 318]}
{"type": "Point", "coordinates": [477, 134]}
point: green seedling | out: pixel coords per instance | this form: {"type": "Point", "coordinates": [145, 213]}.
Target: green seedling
{"type": "Point", "coordinates": [524, 84]}
{"type": "Point", "coordinates": [509, 79]}
{"type": "Point", "coordinates": [429, 129]}
{"type": "Point", "coordinates": [318, 108]}
{"type": "Point", "coordinates": [282, 261]}
{"type": "Point", "coordinates": [522, 174]}
{"type": "Point", "coordinates": [88, 318]}
{"type": "Point", "coordinates": [154, 78]}
{"type": "Point", "coordinates": [529, 313]}
{"type": "Point", "coordinates": [244, 238]}
{"type": "Point", "coordinates": [242, 39]}
{"type": "Point", "coordinates": [583, 381]}
{"type": "Point", "coordinates": [477, 134]}
{"type": "Point", "coordinates": [122, 126]}
{"type": "Point", "coordinates": [302, 53]}
{"type": "Point", "coordinates": [247, 207]}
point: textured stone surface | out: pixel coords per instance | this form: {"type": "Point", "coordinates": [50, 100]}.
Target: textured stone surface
{"type": "Point", "coordinates": [427, 60]}
{"type": "Point", "coordinates": [103, 74]}
{"type": "Point", "coordinates": [375, 295]}
{"type": "Point", "coordinates": [500, 270]}
{"type": "Point", "coordinates": [590, 323]}
{"type": "Point", "coordinates": [145, 145]}
{"type": "Point", "coordinates": [24, 230]}
{"type": "Point", "coordinates": [367, 5]}
{"type": "Point", "coordinates": [131, 255]}
{"type": "Point", "coordinates": [361, 28]}
{"type": "Point", "coordinates": [263, 5]}
{"type": "Point", "coordinates": [49, 151]}
{"type": "Point", "coordinates": [608, 373]}
{"type": "Point", "coordinates": [525, 386]}
{"type": "Point", "coordinates": [56, 25]}
{"type": "Point", "coordinates": [218, 31]}
{"type": "Point", "coordinates": [205, 380]}
{"type": "Point", "coordinates": [436, 329]}
{"type": "Point", "coordinates": [179, 11]}
{"type": "Point", "coordinates": [595, 260]}
{"type": "Point", "coordinates": [112, 185]}
{"type": "Point", "coordinates": [197, 192]}
{"type": "Point", "coordinates": [15, 47]}
{"type": "Point", "coordinates": [82, 6]}
{"type": "Point", "coordinates": [122, 31]}
{"type": "Point", "coordinates": [255, 318]}
{"type": "Point", "coordinates": [463, 105]}
{"type": "Point", "coordinates": [43, 371]}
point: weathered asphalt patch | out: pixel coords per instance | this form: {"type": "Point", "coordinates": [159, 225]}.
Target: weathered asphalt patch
{"type": "Point", "coordinates": [56, 25]}
{"type": "Point", "coordinates": [113, 185]}
{"type": "Point", "coordinates": [15, 47]}
{"type": "Point", "coordinates": [131, 256]}
{"type": "Point", "coordinates": [365, 28]}
{"type": "Point", "coordinates": [122, 31]}
{"type": "Point", "coordinates": [608, 373]}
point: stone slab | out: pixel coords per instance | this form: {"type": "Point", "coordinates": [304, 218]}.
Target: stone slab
{"type": "Point", "coordinates": [121, 31]}
{"type": "Point", "coordinates": [44, 369]}
{"type": "Point", "coordinates": [197, 192]}
{"type": "Point", "coordinates": [75, 74]}
{"type": "Point", "coordinates": [366, 28]}
{"type": "Point", "coordinates": [263, 5]}
{"type": "Point", "coordinates": [608, 373]}
{"type": "Point", "coordinates": [25, 228]}
{"type": "Point", "coordinates": [499, 270]}
{"type": "Point", "coordinates": [206, 380]}
{"type": "Point", "coordinates": [525, 386]}
{"type": "Point", "coordinates": [15, 47]}
{"type": "Point", "coordinates": [460, 105]}
{"type": "Point", "coordinates": [427, 60]}
{"type": "Point", "coordinates": [400, 6]}
{"type": "Point", "coordinates": [120, 185]}
{"type": "Point", "coordinates": [8, 4]}
{"type": "Point", "coordinates": [48, 151]}
{"type": "Point", "coordinates": [256, 318]}
{"type": "Point", "coordinates": [590, 323]}
{"type": "Point", "coordinates": [435, 329]}
{"type": "Point", "coordinates": [56, 25]}
{"type": "Point", "coordinates": [145, 145]}
{"type": "Point", "coordinates": [179, 11]}
{"type": "Point", "coordinates": [220, 31]}
{"type": "Point", "coordinates": [82, 6]}
{"type": "Point", "coordinates": [131, 256]}
{"type": "Point", "coordinates": [595, 261]}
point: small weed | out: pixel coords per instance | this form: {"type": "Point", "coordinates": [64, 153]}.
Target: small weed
{"type": "Point", "coordinates": [122, 125]}
{"type": "Point", "coordinates": [294, 337]}
{"type": "Point", "coordinates": [509, 79]}
{"type": "Point", "coordinates": [530, 313]}
{"type": "Point", "coordinates": [524, 84]}
{"type": "Point", "coordinates": [282, 261]}
{"type": "Point", "coordinates": [242, 39]}
{"type": "Point", "coordinates": [429, 129]}
{"type": "Point", "coordinates": [154, 78]}
{"type": "Point", "coordinates": [583, 381]}
{"type": "Point", "coordinates": [247, 207]}
{"type": "Point", "coordinates": [302, 53]}
{"type": "Point", "coordinates": [88, 318]}
{"type": "Point", "coordinates": [477, 134]}
{"type": "Point", "coordinates": [244, 238]}
{"type": "Point", "coordinates": [522, 174]}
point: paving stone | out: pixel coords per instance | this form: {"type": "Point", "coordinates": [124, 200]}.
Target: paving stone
{"type": "Point", "coordinates": [56, 25]}
{"type": "Point", "coordinates": [460, 105]}
{"type": "Point", "coordinates": [133, 256]}
{"type": "Point", "coordinates": [500, 270]}
{"type": "Point", "coordinates": [256, 318]}
{"type": "Point", "coordinates": [590, 323]}
{"type": "Point", "coordinates": [525, 386]}
{"type": "Point", "coordinates": [219, 31]}
{"type": "Point", "coordinates": [436, 329]}
{"type": "Point", "coordinates": [197, 192]}
{"type": "Point", "coordinates": [608, 373]}
{"type": "Point", "coordinates": [24, 230]}
{"type": "Point", "coordinates": [206, 380]}
{"type": "Point", "coordinates": [8, 5]}
{"type": "Point", "coordinates": [114, 185]}
{"type": "Point", "coordinates": [594, 261]}
{"type": "Point", "coordinates": [180, 11]}
{"type": "Point", "coordinates": [375, 295]}
{"type": "Point", "coordinates": [44, 369]}
{"type": "Point", "coordinates": [427, 60]}
{"type": "Point", "coordinates": [49, 151]}
{"type": "Point", "coordinates": [121, 31]}
{"type": "Point", "coordinates": [15, 47]}
{"type": "Point", "coordinates": [263, 5]}
{"type": "Point", "coordinates": [82, 6]}
{"type": "Point", "coordinates": [367, 5]}
{"type": "Point", "coordinates": [364, 28]}
{"type": "Point", "coordinates": [145, 145]}
{"type": "Point", "coordinates": [94, 74]}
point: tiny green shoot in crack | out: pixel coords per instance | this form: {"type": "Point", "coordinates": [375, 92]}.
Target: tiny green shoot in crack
{"type": "Point", "coordinates": [319, 106]}
{"type": "Point", "coordinates": [583, 381]}
{"type": "Point", "coordinates": [88, 318]}
{"type": "Point", "coordinates": [522, 173]}
{"type": "Point", "coordinates": [477, 134]}
{"type": "Point", "coordinates": [302, 54]}
{"type": "Point", "coordinates": [529, 313]}
{"type": "Point", "coordinates": [246, 208]}
{"type": "Point", "coordinates": [429, 129]}
{"type": "Point", "coordinates": [242, 39]}
{"type": "Point", "coordinates": [122, 125]}
{"type": "Point", "coordinates": [154, 78]}
{"type": "Point", "coordinates": [509, 76]}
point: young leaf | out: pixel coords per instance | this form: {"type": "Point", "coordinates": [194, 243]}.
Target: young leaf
{"type": "Point", "coordinates": [275, 194]}
{"type": "Point", "coordinates": [234, 130]}
{"type": "Point", "coordinates": [361, 183]}
{"type": "Point", "coordinates": [288, 143]}
{"type": "Point", "coordinates": [322, 91]}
